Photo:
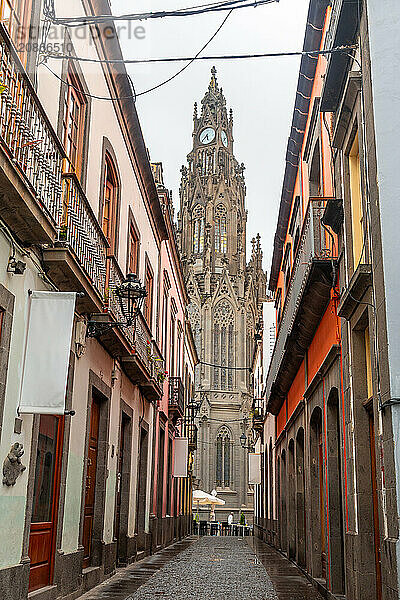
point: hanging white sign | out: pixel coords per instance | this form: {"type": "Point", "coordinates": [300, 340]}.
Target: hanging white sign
{"type": "Point", "coordinates": [181, 453]}
{"type": "Point", "coordinates": [48, 344]}
{"type": "Point", "coordinates": [254, 468]}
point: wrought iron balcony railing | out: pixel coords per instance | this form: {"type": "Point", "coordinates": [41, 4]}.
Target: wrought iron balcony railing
{"type": "Point", "coordinates": [26, 132]}
{"type": "Point", "coordinates": [316, 247]}
{"type": "Point", "coordinates": [158, 364]}
{"type": "Point", "coordinates": [176, 399]}
{"type": "Point", "coordinates": [81, 230]}
{"type": "Point", "coordinates": [138, 336]}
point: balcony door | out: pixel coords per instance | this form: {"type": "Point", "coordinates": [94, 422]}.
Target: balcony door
{"type": "Point", "coordinates": [90, 487]}
{"type": "Point", "coordinates": [45, 501]}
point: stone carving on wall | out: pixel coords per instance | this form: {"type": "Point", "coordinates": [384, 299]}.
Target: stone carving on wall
{"type": "Point", "coordinates": [12, 465]}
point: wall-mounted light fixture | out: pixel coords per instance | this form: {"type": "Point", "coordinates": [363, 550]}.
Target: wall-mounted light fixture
{"type": "Point", "coordinates": [17, 267]}
{"type": "Point", "coordinates": [131, 295]}
{"type": "Point", "coordinates": [243, 440]}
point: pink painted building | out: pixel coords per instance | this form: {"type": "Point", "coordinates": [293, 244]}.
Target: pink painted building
{"type": "Point", "coordinates": [171, 513]}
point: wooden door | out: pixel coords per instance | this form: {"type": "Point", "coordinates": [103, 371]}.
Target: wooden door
{"type": "Point", "coordinates": [377, 543]}
{"type": "Point", "coordinates": [90, 486]}
{"type": "Point", "coordinates": [321, 504]}
{"type": "Point", "coordinates": [42, 537]}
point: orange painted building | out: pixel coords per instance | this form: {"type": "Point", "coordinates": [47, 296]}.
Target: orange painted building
{"type": "Point", "coordinates": [303, 385]}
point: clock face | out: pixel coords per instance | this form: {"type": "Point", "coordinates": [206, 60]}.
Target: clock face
{"type": "Point", "coordinates": [207, 135]}
{"type": "Point", "coordinates": [224, 138]}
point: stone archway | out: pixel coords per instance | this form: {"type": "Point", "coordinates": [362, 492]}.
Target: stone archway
{"type": "Point", "coordinates": [291, 502]}
{"type": "Point", "coordinates": [300, 500]}
{"type": "Point", "coordinates": [283, 507]}
{"type": "Point", "coordinates": [317, 493]}
{"type": "Point", "coordinates": [336, 526]}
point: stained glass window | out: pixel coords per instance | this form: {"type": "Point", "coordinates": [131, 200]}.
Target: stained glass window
{"type": "Point", "coordinates": [223, 346]}
{"type": "Point", "coordinates": [223, 462]}
{"type": "Point", "coordinates": [198, 230]}
{"type": "Point", "coordinates": [221, 240]}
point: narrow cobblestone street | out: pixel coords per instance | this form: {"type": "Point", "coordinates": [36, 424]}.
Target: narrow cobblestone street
{"type": "Point", "coordinates": [212, 568]}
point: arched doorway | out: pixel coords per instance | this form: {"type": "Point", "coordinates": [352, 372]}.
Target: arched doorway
{"type": "Point", "coordinates": [291, 501]}
{"type": "Point", "coordinates": [266, 488]}
{"type": "Point", "coordinates": [336, 528]}
{"type": "Point", "coordinates": [317, 496]}
{"type": "Point", "coordinates": [300, 503]}
{"type": "Point", "coordinates": [283, 503]}
{"type": "Point", "coordinates": [278, 500]}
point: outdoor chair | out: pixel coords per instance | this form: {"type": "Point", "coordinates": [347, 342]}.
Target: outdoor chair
{"type": "Point", "coordinates": [203, 527]}
{"type": "Point", "coordinates": [226, 530]}
{"type": "Point", "coordinates": [214, 529]}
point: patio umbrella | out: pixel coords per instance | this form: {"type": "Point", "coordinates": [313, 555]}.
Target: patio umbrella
{"type": "Point", "coordinates": [202, 498]}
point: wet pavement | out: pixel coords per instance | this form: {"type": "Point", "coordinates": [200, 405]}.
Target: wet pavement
{"type": "Point", "coordinates": [289, 582]}
{"type": "Point", "coordinates": [212, 568]}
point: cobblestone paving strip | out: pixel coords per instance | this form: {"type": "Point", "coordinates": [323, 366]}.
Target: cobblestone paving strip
{"type": "Point", "coordinates": [214, 568]}
{"type": "Point", "coordinates": [128, 579]}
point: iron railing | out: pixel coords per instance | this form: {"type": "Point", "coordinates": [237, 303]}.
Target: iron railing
{"type": "Point", "coordinates": [176, 394]}
{"type": "Point", "coordinates": [81, 230]}
{"type": "Point", "coordinates": [26, 132]}
{"type": "Point", "coordinates": [28, 138]}
{"type": "Point", "coordinates": [158, 364]}
{"type": "Point", "coordinates": [139, 335]}
{"type": "Point", "coordinates": [316, 244]}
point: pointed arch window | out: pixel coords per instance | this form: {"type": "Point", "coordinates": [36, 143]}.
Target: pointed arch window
{"type": "Point", "coordinates": [198, 230]}
{"type": "Point", "coordinates": [223, 463]}
{"type": "Point", "coordinates": [221, 239]}
{"type": "Point", "coordinates": [223, 333]}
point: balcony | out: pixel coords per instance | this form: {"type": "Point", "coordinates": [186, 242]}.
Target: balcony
{"type": "Point", "coordinates": [191, 432]}
{"type": "Point", "coordinates": [30, 155]}
{"type": "Point", "coordinates": [258, 415]}
{"type": "Point", "coordinates": [153, 387]}
{"type": "Point", "coordinates": [176, 400]}
{"type": "Point", "coordinates": [306, 300]}
{"type": "Point", "coordinates": [79, 259]}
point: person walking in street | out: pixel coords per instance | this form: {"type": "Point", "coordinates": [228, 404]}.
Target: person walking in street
{"type": "Point", "coordinates": [230, 522]}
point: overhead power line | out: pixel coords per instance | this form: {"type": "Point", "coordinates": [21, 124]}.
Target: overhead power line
{"type": "Point", "coordinates": [225, 5]}
{"type": "Point", "coordinates": [314, 53]}
{"type": "Point", "coordinates": [201, 362]}
{"type": "Point", "coordinates": [138, 61]}
{"type": "Point", "coordinates": [154, 87]}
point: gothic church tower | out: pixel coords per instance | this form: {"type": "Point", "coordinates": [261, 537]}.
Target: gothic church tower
{"type": "Point", "coordinates": [226, 297]}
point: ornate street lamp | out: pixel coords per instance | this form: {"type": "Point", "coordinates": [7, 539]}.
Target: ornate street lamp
{"type": "Point", "coordinates": [243, 440]}
{"type": "Point", "coordinates": [131, 295]}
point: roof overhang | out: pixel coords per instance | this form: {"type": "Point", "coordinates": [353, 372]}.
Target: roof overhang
{"type": "Point", "coordinates": [313, 304]}
{"type": "Point", "coordinates": [339, 62]}
{"type": "Point", "coordinates": [312, 41]}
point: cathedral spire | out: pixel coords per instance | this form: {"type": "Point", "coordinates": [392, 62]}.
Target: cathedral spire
{"type": "Point", "coordinates": [213, 87]}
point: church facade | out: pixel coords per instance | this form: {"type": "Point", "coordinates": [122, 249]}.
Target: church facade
{"type": "Point", "coordinates": [226, 296]}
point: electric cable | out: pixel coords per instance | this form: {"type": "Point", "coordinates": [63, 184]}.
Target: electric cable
{"type": "Point", "coordinates": [154, 87]}
{"type": "Point", "coordinates": [140, 61]}
{"type": "Point", "coordinates": [226, 5]}
{"type": "Point", "coordinates": [201, 362]}
{"type": "Point", "coordinates": [192, 59]}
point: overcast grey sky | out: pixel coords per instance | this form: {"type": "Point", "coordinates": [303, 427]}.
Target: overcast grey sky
{"type": "Point", "coordinates": [260, 91]}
